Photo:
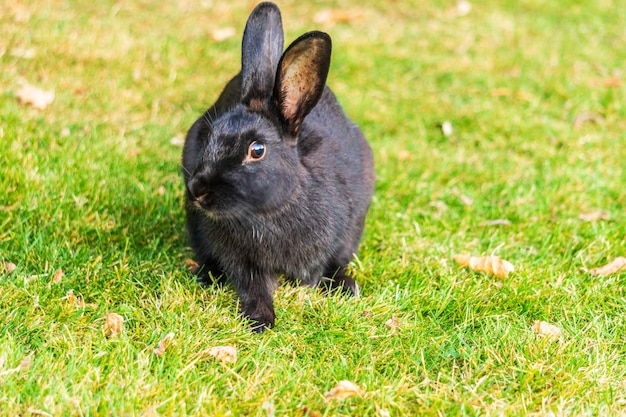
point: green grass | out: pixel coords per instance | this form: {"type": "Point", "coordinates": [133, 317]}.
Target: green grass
{"type": "Point", "coordinates": [92, 185]}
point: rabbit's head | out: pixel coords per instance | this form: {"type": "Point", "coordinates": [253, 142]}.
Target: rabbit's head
{"type": "Point", "coordinates": [248, 162]}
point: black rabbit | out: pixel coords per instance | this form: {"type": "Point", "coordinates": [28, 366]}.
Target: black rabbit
{"type": "Point", "coordinates": [278, 179]}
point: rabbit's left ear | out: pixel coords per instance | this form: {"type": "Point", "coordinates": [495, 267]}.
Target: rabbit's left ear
{"type": "Point", "coordinates": [262, 45]}
{"type": "Point", "coordinates": [301, 77]}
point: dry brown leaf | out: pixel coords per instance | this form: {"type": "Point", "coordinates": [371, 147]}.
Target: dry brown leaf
{"type": "Point", "coordinates": [222, 34]}
{"type": "Point", "coordinates": [163, 344]}
{"type": "Point", "coordinates": [332, 17]}
{"type": "Point", "coordinates": [580, 119]}
{"type": "Point", "coordinates": [73, 300]}
{"type": "Point", "coordinates": [7, 267]}
{"type": "Point", "coordinates": [344, 389]}
{"type": "Point", "coordinates": [393, 323]}
{"type": "Point", "coordinates": [541, 328]}
{"type": "Point", "coordinates": [70, 297]}
{"type": "Point", "coordinates": [113, 325]}
{"type": "Point", "coordinates": [496, 222]}
{"type": "Point", "coordinates": [491, 265]}
{"type": "Point", "coordinates": [224, 354]}
{"type": "Point", "coordinates": [594, 216]}
{"type": "Point", "coordinates": [307, 412]}
{"type": "Point", "coordinates": [35, 97]}
{"type": "Point", "coordinates": [613, 267]}
{"type": "Point", "coordinates": [191, 264]}
{"type": "Point", "coordinates": [58, 276]}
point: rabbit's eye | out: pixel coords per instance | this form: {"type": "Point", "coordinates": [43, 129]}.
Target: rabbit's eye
{"type": "Point", "coordinates": [256, 150]}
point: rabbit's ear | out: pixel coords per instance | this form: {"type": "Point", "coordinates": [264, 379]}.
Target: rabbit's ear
{"type": "Point", "coordinates": [301, 77]}
{"type": "Point", "coordinates": [262, 47]}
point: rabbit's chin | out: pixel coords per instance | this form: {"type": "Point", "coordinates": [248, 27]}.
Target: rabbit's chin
{"type": "Point", "coordinates": [222, 214]}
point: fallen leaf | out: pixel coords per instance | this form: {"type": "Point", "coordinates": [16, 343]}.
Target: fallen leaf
{"type": "Point", "coordinates": [73, 300]}
{"type": "Point", "coordinates": [332, 17]}
{"type": "Point", "coordinates": [222, 34]}
{"type": "Point", "coordinates": [113, 325]}
{"type": "Point", "coordinates": [163, 344]}
{"type": "Point", "coordinates": [496, 222]}
{"type": "Point", "coordinates": [191, 264]}
{"type": "Point", "coordinates": [580, 119]}
{"type": "Point", "coordinates": [58, 276]}
{"type": "Point", "coordinates": [307, 412]}
{"type": "Point", "coordinates": [541, 328]}
{"type": "Point", "coordinates": [594, 216]}
{"type": "Point", "coordinates": [224, 354]}
{"type": "Point", "coordinates": [7, 267]}
{"type": "Point", "coordinates": [344, 389]}
{"type": "Point", "coordinates": [492, 265]}
{"type": "Point", "coordinates": [613, 267]}
{"type": "Point", "coordinates": [35, 97]}
{"type": "Point", "coordinates": [393, 323]}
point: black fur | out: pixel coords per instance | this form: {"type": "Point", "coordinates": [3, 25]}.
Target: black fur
{"type": "Point", "coordinates": [299, 210]}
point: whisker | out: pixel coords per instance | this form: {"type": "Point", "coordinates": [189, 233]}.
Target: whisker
{"type": "Point", "coordinates": [207, 119]}
{"type": "Point", "coordinates": [185, 170]}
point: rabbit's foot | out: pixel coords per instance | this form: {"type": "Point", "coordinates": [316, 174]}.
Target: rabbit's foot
{"type": "Point", "coordinates": [342, 282]}
{"type": "Point", "coordinates": [261, 315]}
{"type": "Point", "coordinates": [210, 274]}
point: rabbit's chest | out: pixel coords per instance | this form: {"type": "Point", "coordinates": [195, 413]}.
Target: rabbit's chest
{"type": "Point", "coordinates": [282, 246]}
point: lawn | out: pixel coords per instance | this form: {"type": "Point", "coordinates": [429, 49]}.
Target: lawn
{"type": "Point", "coordinates": [532, 171]}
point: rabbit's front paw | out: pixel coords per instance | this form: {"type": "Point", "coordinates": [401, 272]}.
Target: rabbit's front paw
{"type": "Point", "coordinates": [341, 282]}
{"type": "Point", "coordinates": [209, 273]}
{"type": "Point", "coordinates": [261, 315]}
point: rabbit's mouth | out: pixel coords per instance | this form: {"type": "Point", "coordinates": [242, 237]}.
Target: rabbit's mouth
{"type": "Point", "coordinates": [215, 208]}
{"type": "Point", "coordinates": [206, 204]}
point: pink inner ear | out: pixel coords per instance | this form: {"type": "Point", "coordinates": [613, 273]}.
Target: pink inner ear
{"type": "Point", "coordinates": [289, 107]}
{"type": "Point", "coordinates": [294, 87]}
{"type": "Point", "coordinates": [291, 102]}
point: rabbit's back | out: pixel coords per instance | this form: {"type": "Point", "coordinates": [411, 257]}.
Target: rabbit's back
{"type": "Point", "coordinates": [339, 159]}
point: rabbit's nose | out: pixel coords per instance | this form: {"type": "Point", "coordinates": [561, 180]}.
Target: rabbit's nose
{"type": "Point", "coordinates": [197, 189]}
{"type": "Point", "coordinates": [201, 200]}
